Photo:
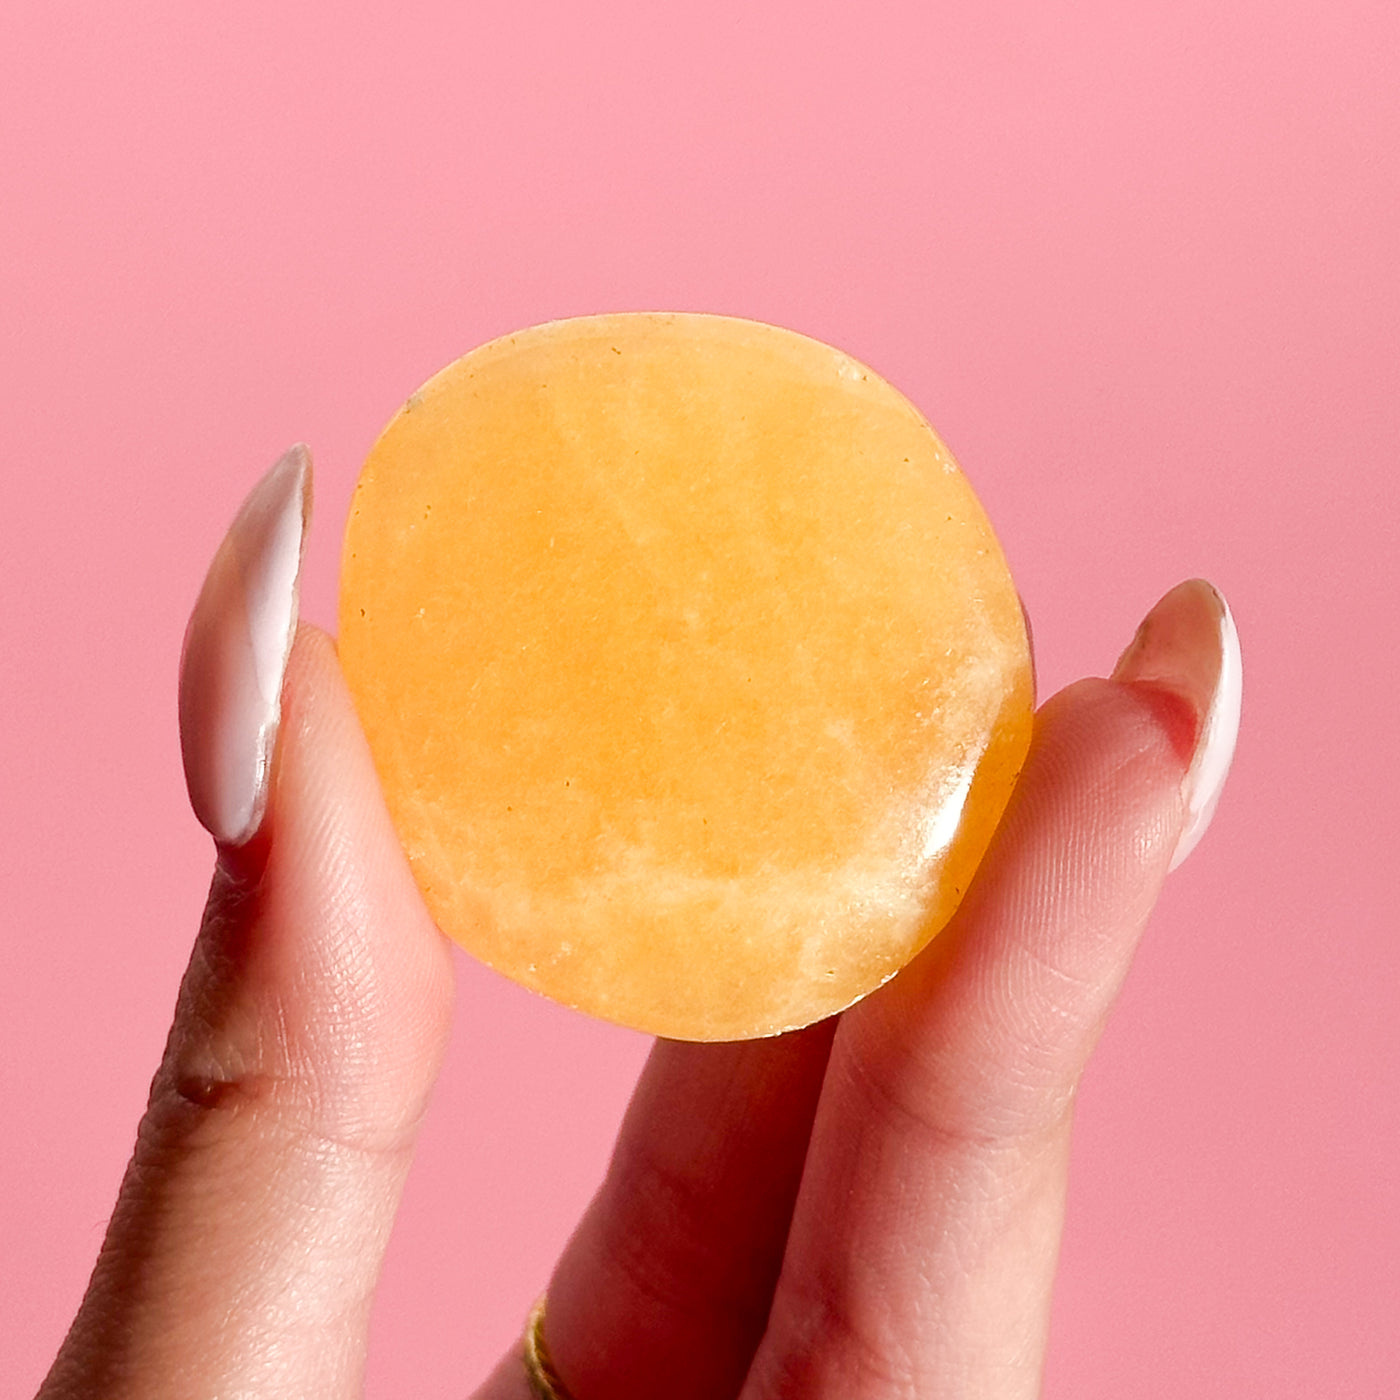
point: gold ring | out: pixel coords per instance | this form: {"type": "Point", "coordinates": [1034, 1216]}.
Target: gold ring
{"type": "Point", "coordinates": [539, 1369]}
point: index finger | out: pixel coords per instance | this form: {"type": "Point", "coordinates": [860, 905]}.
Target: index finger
{"type": "Point", "coordinates": [924, 1239]}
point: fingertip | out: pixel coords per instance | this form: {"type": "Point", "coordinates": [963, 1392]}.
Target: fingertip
{"type": "Point", "coordinates": [335, 859]}
{"type": "Point", "coordinates": [1104, 772]}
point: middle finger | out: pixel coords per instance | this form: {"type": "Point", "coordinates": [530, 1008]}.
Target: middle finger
{"type": "Point", "coordinates": [665, 1287]}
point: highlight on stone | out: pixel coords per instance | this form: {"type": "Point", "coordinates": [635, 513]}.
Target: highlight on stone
{"type": "Point", "coordinates": [692, 669]}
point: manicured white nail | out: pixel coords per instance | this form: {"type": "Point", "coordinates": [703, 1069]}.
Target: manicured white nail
{"type": "Point", "coordinates": [236, 649]}
{"type": "Point", "coordinates": [1188, 645]}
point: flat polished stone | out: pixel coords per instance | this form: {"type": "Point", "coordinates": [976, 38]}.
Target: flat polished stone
{"type": "Point", "coordinates": [692, 669]}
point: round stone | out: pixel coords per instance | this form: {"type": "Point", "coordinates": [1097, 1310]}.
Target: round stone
{"type": "Point", "coordinates": [693, 672]}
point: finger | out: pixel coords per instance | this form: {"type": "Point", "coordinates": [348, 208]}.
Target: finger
{"type": "Point", "coordinates": [250, 1226]}
{"type": "Point", "coordinates": [924, 1239]}
{"type": "Point", "coordinates": [666, 1285]}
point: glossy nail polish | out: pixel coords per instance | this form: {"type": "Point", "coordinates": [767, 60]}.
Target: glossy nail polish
{"type": "Point", "coordinates": [1187, 645]}
{"type": "Point", "coordinates": [236, 649]}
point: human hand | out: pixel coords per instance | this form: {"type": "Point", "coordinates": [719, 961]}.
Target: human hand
{"type": "Point", "coordinates": [867, 1209]}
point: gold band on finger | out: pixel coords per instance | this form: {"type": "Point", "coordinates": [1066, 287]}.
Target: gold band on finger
{"type": "Point", "coordinates": [539, 1369]}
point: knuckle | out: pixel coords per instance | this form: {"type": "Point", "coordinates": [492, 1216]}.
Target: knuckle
{"type": "Point", "coordinates": [988, 1115]}
{"type": "Point", "coordinates": [819, 1345]}
{"type": "Point", "coordinates": [674, 1206]}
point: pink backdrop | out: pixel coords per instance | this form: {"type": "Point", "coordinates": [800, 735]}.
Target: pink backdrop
{"type": "Point", "coordinates": [1136, 261]}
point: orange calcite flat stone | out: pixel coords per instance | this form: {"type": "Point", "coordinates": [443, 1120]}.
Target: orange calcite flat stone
{"type": "Point", "coordinates": [690, 664]}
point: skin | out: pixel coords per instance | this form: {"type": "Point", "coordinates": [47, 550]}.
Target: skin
{"type": "Point", "coordinates": [869, 1209]}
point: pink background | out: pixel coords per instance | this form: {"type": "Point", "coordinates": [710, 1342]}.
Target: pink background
{"type": "Point", "coordinates": [1138, 262]}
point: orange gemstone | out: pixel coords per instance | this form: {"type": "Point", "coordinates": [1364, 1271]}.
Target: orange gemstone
{"type": "Point", "coordinates": [692, 669]}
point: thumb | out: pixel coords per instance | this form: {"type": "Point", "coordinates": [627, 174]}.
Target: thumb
{"type": "Point", "coordinates": [248, 1235]}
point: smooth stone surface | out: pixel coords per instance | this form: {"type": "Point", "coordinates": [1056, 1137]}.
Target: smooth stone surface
{"type": "Point", "coordinates": [692, 669]}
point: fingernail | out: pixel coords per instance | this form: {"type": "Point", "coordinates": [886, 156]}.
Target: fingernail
{"type": "Point", "coordinates": [1187, 645]}
{"type": "Point", "coordinates": [235, 653]}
